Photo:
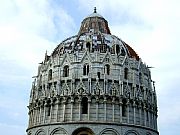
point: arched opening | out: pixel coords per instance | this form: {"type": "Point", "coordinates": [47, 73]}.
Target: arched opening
{"type": "Point", "coordinates": [107, 69]}
{"type": "Point", "coordinates": [66, 71]}
{"type": "Point", "coordinates": [83, 131]}
{"type": "Point", "coordinates": [85, 69]}
{"type": "Point", "coordinates": [50, 74]}
{"type": "Point", "coordinates": [84, 105]}
{"type": "Point", "coordinates": [126, 73]}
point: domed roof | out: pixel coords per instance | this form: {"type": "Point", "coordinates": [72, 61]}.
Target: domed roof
{"type": "Point", "coordinates": [94, 35]}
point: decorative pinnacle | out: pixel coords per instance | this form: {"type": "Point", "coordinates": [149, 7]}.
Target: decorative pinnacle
{"type": "Point", "coordinates": [95, 10]}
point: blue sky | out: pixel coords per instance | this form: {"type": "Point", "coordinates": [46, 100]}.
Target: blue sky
{"type": "Point", "coordinates": [30, 27]}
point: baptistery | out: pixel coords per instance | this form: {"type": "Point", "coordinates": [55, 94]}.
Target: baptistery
{"type": "Point", "coordinates": [93, 83]}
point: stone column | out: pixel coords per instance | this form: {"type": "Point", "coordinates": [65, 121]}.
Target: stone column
{"type": "Point", "coordinates": [90, 86]}
{"type": "Point", "coordinates": [40, 113]}
{"type": "Point", "coordinates": [30, 117]}
{"type": "Point", "coordinates": [113, 102]}
{"type": "Point", "coordinates": [51, 110]}
{"type": "Point", "coordinates": [134, 109]}
{"type": "Point", "coordinates": [105, 109]}
{"type": "Point", "coordinates": [153, 121]}
{"type": "Point", "coordinates": [120, 109]}
{"type": "Point", "coordinates": [97, 109]}
{"type": "Point", "coordinates": [140, 115]}
{"type": "Point", "coordinates": [128, 110]}
{"type": "Point", "coordinates": [145, 115]}
{"type": "Point", "coordinates": [35, 115]}
{"type": "Point", "coordinates": [64, 109]}
{"type": "Point", "coordinates": [57, 111]}
{"type": "Point", "coordinates": [72, 101]}
{"type": "Point", "coordinates": [89, 103]}
{"type": "Point", "coordinates": [120, 87]}
{"type": "Point", "coordinates": [138, 108]}
{"type": "Point", "coordinates": [79, 109]}
{"type": "Point", "coordinates": [122, 91]}
{"type": "Point", "coordinates": [44, 114]}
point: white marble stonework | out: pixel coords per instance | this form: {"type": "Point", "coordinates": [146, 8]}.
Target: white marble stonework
{"type": "Point", "coordinates": [93, 83]}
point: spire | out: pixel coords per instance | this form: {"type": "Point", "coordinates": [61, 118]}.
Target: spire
{"type": "Point", "coordinates": [46, 57]}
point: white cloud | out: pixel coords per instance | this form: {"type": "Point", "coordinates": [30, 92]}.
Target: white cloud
{"type": "Point", "coordinates": [27, 29]}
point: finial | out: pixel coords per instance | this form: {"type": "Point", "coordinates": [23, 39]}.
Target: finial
{"type": "Point", "coordinates": [95, 10]}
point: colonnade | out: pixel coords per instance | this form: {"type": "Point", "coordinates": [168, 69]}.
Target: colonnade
{"type": "Point", "coordinates": [100, 109]}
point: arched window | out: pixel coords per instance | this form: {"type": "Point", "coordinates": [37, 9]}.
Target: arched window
{"type": "Point", "coordinates": [147, 115]}
{"type": "Point", "coordinates": [107, 69]}
{"type": "Point", "coordinates": [98, 74]}
{"type": "Point", "coordinates": [126, 73]}
{"type": "Point", "coordinates": [88, 46]}
{"type": "Point", "coordinates": [123, 53]}
{"type": "Point", "coordinates": [117, 49]}
{"type": "Point", "coordinates": [66, 71]}
{"type": "Point", "coordinates": [48, 110]}
{"type": "Point", "coordinates": [124, 109]}
{"type": "Point", "coordinates": [50, 74]}
{"type": "Point", "coordinates": [85, 69]}
{"type": "Point", "coordinates": [84, 105]}
{"type": "Point", "coordinates": [140, 77]}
